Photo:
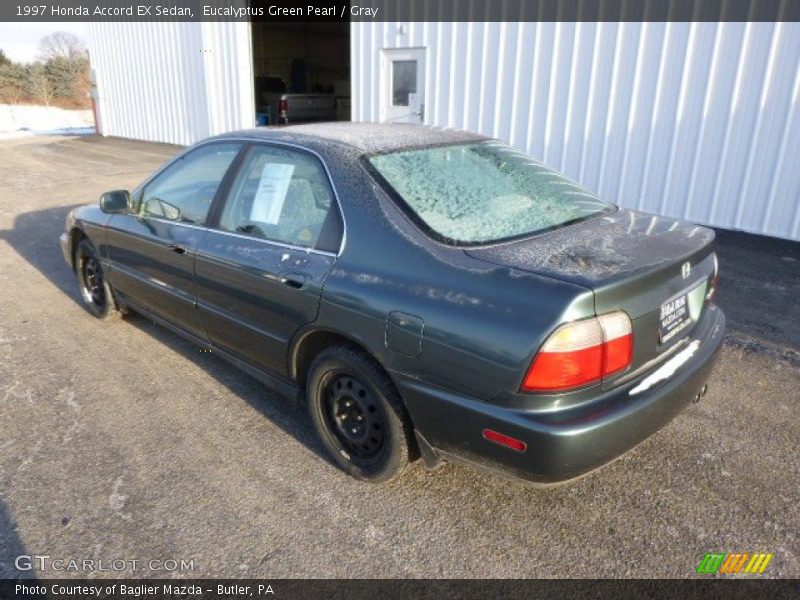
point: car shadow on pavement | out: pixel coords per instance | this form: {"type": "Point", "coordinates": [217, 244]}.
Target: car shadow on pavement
{"type": "Point", "coordinates": [35, 238]}
{"type": "Point", "coordinates": [10, 548]}
{"type": "Point", "coordinates": [286, 413]}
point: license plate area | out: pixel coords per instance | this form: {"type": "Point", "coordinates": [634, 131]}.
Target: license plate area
{"type": "Point", "coordinates": [674, 317]}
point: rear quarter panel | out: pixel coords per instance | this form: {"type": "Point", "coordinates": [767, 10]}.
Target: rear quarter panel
{"type": "Point", "coordinates": [481, 323]}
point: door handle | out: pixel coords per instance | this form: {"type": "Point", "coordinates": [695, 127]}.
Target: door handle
{"type": "Point", "coordinates": [293, 280]}
{"type": "Point", "coordinates": [178, 249]}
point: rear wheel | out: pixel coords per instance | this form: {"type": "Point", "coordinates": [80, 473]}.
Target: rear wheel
{"type": "Point", "coordinates": [95, 291]}
{"type": "Point", "coordinates": [358, 415]}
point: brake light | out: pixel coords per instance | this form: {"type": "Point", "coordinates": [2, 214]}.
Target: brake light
{"type": "Point", "coordinates": [617, 342]}
{"type": "Point", "coordinates": [582, 352]}
{"type": "Point", "coordinates": [712, 288]}
{"type": "Point", "coordinates": [283, 107]}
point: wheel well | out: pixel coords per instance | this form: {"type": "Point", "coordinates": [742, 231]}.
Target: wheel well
{"type": "Point", "coordinates": [75, 236]}
{"type": "Point", "coordinates": [311, 345]}
{"type": "Point", "coordinates": [315, 342]}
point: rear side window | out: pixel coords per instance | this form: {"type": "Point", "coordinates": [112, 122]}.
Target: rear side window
{"type": "Point", "coordinates": [478, 193]}
{"type": "Point", "coordinates": [281, 195]}
{"type": "Point", "coordinates": [184, 190]}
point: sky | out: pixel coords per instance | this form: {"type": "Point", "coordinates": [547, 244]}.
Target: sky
{"type": "Point", "coordinates": [20, 41]}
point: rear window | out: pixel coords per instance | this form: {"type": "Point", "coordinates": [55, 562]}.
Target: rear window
{"type": "Point", "coordinates": [486, 192]}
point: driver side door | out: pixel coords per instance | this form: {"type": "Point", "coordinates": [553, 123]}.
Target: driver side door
{"type": "Point", "coordinates": [151, 249]}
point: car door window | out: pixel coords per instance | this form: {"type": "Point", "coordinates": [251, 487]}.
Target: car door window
{"type": "Point", "coordinates": [281, 195]}
{"type": "Point", "coordinates": [184, 190]}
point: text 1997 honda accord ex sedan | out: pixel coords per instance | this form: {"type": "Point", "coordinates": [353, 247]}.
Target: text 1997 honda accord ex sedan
{"type": "Point", "coordinates": [424, 291]}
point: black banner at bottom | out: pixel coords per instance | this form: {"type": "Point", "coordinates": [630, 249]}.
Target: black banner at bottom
{"type": "Point", "coordinates": [390, 589]}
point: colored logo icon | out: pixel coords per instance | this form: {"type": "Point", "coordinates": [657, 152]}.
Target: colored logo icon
{"type": "Point", "coordinates": [741, 562]}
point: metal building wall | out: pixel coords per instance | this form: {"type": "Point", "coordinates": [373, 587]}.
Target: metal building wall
{"type": "Point", "coordinates": [172, 82]}
{"type": "Point", "coordinates": [691, 120]}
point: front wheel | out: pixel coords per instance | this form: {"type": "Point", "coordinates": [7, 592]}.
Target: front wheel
{"type": "Point", "coordinates": [358, 415]}
{"type": "Point", "coordinates": [95, 290]}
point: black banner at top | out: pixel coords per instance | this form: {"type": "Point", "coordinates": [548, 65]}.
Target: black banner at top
{"type": "Point", "coordinates": [400, 10]}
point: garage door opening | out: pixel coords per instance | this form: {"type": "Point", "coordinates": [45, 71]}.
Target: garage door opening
{"type": "Point", "coordinates": [302, 72]}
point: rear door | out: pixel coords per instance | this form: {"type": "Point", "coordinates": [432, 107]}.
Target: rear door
{"type": "Point", "coordinates": [261, 267]}
{"type": "Point", "coordinates": [151, 249]}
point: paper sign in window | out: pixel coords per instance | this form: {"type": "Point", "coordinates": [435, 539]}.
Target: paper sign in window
{"type": "Point", "coordinates": [271, 193]}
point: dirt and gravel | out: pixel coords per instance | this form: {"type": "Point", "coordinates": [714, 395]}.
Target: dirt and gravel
{"type": "Point", "coordinates": [122, 441]}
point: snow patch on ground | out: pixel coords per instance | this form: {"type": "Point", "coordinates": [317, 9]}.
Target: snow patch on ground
{"type": "Point", "coordinates": [17, 120]}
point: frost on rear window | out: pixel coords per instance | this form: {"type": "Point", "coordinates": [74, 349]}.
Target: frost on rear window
{"type": "Point", "coordinates": [477, 193]}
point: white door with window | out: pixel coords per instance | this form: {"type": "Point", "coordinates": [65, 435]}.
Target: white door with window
{"type": "Point", "coordinates": [403, 85]}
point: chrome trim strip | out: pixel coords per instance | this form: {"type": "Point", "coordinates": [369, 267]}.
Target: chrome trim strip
{"type": "Point", "coordinates": [651, 364]}
{"type": "Point", "coordinates": [271, 242]}
{"type": "Point", "coordinates": [170, 222]}
{"type": "Point", "coordinates": [234, 234]}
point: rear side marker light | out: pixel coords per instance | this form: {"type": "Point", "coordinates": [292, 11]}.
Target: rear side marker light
{"type": "Point", "coordinates": [712, 287]}
{"type": "Point", "coordinates": [581, 353]}
{"type": "Point", "coordinates": [504, 440]}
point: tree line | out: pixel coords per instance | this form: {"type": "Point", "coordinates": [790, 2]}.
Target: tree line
{"type": "Point", "coordinates": [61, 77]}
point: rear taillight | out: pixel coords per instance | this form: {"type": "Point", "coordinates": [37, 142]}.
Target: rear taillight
{"type": "Point", "coordinates": [712, 287]}
{"type": "Point", "coordinates": [582, 352]}
{"type": "Point", "coordinates": [283, 107]}
{"type": "Point", "coordinates": [617, 342]}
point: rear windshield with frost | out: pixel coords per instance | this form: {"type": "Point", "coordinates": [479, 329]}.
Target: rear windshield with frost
{"type": "Point", "coordinates": [484, 192]}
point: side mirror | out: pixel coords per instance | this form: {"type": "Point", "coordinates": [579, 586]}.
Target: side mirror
{"type": "Point", "coordinates": [115, 202]}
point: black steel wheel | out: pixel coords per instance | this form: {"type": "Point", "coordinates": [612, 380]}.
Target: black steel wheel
{"type": "Point", "coordinates": [358, 415]}
{"type": "Point", "coordinates": [355, 416]}
{"type": "Point", "coordinates": [95, 291]}
{"type": "Point", "coordinates": [92, 282]}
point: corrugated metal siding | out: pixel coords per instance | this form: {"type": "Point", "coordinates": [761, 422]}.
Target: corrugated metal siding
{"type": "Point", "coordinates": [172, 82]}
{"type": "Point", "coordinates": [691, 120]}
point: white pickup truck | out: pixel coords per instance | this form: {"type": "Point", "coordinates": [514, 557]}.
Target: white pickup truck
{"type": "Point", "coordinates": [286, 107]}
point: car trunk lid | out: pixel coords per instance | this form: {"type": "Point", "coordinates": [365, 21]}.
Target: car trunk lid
{"type": "Point", "coordinates": [654, 268]}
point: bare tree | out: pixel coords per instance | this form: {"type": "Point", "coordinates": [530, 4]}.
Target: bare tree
{"type": "Point", "coordinates": [61, 44]}
{"type": "Point", "coordinates": [39, 85]}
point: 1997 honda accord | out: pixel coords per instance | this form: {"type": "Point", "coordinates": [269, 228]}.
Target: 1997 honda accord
{"type": "Point", "coordinates": [425, 292]}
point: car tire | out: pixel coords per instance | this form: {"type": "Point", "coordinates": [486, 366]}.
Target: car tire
{"type": "Point", "coordinates": [358, 415]}
{"type": "Point", "coordinates": [96, 293]}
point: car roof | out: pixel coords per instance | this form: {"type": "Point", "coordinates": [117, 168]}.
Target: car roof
{"type": "Point", "coordinates": [365, 138]}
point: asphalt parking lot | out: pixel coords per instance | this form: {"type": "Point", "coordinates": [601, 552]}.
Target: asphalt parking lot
{"type": "Point", "coordinates": [122, 441]}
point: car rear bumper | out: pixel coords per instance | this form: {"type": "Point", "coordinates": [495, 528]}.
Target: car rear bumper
{"type": "Point", "coordinates": [63, 240]}
{"type": "Point", "coordinates": [565, 444]}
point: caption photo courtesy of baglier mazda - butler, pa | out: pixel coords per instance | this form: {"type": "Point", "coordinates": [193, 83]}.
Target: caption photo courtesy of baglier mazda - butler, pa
{"type": "Point", "coordinates": [435, 293]}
